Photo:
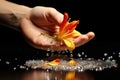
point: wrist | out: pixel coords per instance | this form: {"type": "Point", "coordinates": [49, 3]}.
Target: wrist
{"type": "Point", "coordinates": [23, 14]}
{"type": "Point", "coordinates": [11, 14]}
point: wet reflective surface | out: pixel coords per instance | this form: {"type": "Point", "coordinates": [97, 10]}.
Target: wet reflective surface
{"type": "Point", "coordinates": [39, 74]}
{"type": "Point", "coordinates": [54, 75]}
{"type": "Point", "coordinates": [43, 75]}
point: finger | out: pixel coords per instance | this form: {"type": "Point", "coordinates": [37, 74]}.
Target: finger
{"type": "Point", "coordinates": [81, 40]}
{"type": "Point", "coordinates": [90, 35]}
{"type": "Point", "coordinates": [55, 16]}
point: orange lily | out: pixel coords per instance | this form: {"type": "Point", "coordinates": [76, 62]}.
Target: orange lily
{"type": "Point", "coordinates": [67, 32]}
{"type": "Point", "coordinates": [72, 62]}
{"type": "Point", "coordinates": [70, 75]}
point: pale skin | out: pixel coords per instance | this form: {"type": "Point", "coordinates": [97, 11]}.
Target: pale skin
{"type": "Point", "coordinates": [36, 21]}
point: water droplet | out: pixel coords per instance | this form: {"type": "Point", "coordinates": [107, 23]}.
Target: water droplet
{"type": "Point", "coordinates": [79, 55]}
{"type": "Point", "coordinates": [89, 58]}
{"type": "Point", "coordinates": [113, 60]}
{"type": "Point", "coordinates": [22, 67]}
{"type": "Point", "coordinates": [47, 70]}
{"type": "Point", "coordinates": [100, 68]}
{"type": "Point", "coordinates": [85, 56]}
{"type": "Point", "coordinates": [113, 53]}
{"type": "Point", "coordinates": [105, 54]}
{"type": "Point", "coordinates": [96, 69]}
{"type": "Point", "coordinates": [119, 53]}
{"type": "Point", "coordinates": [71, 55]}
{"type": "Point", "coordinates": [7, 62]}
{"type": "Point", "coordinates": [0, 59]}
{"type": "Point", "coordinates": [48, 49]}
{"type": "Point", "coordinates": [47, 54]}
{"type": "Point", "coordinates": [103, 59]}
{"type": "Point", "coordinates": [14, 68]}
{"type": "Point", "coordinates": [119, 56]}
{"type": "Point", "coordinates": [110, 57]}
{"type": "Point", "coordinates": [83, 53]}
{"type": "Point", "coordinates": [15, 59]}
{"type": "Point", "coordinates": [27, 68]}
{"type": "Point", "coordinates": [81, 58]}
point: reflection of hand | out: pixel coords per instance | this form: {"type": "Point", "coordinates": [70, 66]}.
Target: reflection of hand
{"type": "Point", "coordinates": [46, 20]}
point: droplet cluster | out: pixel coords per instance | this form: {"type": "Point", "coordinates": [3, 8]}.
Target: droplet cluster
{"type": "Point", "coordinates": [81, 66]}
{"type": "Point", "coordinates": [84, 62]}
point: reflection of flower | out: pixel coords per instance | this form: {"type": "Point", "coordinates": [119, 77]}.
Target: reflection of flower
{"type": "Point", "coordinates": [67, 32]}
{"type": "Point", "coordinates": [70, 75]}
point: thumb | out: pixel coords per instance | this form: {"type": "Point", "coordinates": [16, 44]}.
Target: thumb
{"type": "Point", "coordinates": [55, 16]}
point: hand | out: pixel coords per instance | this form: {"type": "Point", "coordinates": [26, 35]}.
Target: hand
{"type": "Point", "coordinates": [46, 20]}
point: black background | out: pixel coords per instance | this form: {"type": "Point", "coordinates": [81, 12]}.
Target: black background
{"type": "Point", "coordinates": [100, 17]}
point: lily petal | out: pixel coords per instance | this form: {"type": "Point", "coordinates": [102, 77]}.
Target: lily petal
{"type": "Point", "coordinates": [67, 32]}
{"type": "Point", "coordinates": [54, 62]}
{"type": "Point", "coordinates": [64, 21]}
{"type": "Point", "coordinates": [69, 43]}
{"type": "Point", "coordinates": [72, 25]}
{"type": "Point", "coordinates": [75, 33]}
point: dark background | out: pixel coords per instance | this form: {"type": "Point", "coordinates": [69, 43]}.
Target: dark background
{"type": "Point", "coordinates": [100, 17]}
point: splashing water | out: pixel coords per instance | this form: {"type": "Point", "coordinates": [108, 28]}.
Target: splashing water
{"type": "Point", "coordinates": [83, 60]}
{"type": "Point", "coordinates": [84, 63]}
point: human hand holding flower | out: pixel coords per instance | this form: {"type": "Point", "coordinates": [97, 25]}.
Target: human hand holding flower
{"type": "Point", "coordinates": [43, 22]}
